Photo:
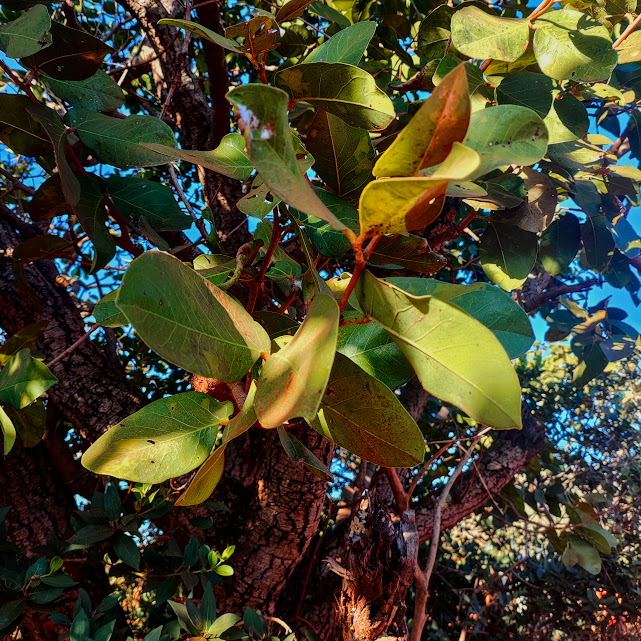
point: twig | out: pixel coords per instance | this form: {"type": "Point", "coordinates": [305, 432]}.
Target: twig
{"type": "Point", "coordinates": [401, 497]}
{"type": "Point", "coordinates": [630, 28]}
{"type": "Point", "coordinates": [19, 83]}
{"type": "Point", "coordinates": [361, 259]}
{"type": "Point", "coordinates": [426, 466]}
{"type": "Point", "coordinates": [200, 224]}
{"type": "Point", "coordinates": [16, 183]}
{"type": "Point", "coordinates": [72, 347]}
{"type": "Point", "coordinates": [273, 243]}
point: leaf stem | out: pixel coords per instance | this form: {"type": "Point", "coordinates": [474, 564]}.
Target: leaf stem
{"type": "Point", "coordinates": [541, 9]}
{"type": "Point", "coordinates": [629, 29]}
{"type": "Point", "coordinates": [273, 243]}
{"type": "Point", "coordinates": [19, 83]}
{"type": "Point", "coordinates": [361, 259]}
{"type": "Point", "coordinates": [72, 347]}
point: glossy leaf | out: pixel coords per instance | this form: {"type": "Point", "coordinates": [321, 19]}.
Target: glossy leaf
{"type": "Point", "coordinates": [506, 135]}
{"type": "Point", "coordinates": [411, 252]}
{"type": "Point", "coordinates": [23, 379]}
{"type": "Point", "coordinates": [428, 138]}
{"type": "Point", "coordinates": [507, 254]}
{"type": "Point", "coordinates": [482, 35]}
{"type": "Point", "coordinates": [373, 351]}
{"type": "Point", "coordinates": [560, 243]}
{"type": "Point", "coordinates": [489, 305]}
{"type": "Point", "coordinates": [137, 197]}
{"type": "Point", "coordinates": [187, 320]}
{"type": "Point", "coordinates": [400, 205]}
{"type": "Point", "coordinates": [165, 439]}
{"type": "Point", "coordinates": [293, 379]}
{"type": "Point", "coordinates": [597, 242]}
{"type": "Point", "coordinates": [98, 92]}
{"type": "Point", "coordinates": [346, 46]}
{"type": "Point", "coordinates": [229, 158]}
{"type": "Point", "coordinates": [343, 155]}
{"type": "Point", "coordinates": [361, 414]}
{"type": "Point", "coordinates": [119, 141]}
{"type": "Point", "coordinates": [455, 357]}
{"type": "Point", "coordinates": [27, 34]}
{"type": "Point", "coordinates": [8, 432]}
{"type": "Point", "coordinates": [73, 54]}
{"type": "Point", "coordinates": [262, 116]}
{"type": "Point", "coordinates": [343, 90]}
{"type": "Point", "coordinates": [569, 44]}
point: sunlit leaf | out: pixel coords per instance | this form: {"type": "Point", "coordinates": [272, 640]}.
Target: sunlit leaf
{"type": "Point", "coordinates": [23, 379]}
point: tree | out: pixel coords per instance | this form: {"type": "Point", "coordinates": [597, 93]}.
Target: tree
{"type": "Point", "coordinates": [250, 250]}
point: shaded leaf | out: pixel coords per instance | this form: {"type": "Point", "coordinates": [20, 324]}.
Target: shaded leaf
{"type": "Point", "coordinates": [98, 92]}
{"type": "Point", "coordinates": [48, 201]}
{"type": "Point", "coordinates": [560, 243]}
{"type": "Point", "coordinates": [22, 133]}
{"type": "Point", "coordinates": [411, 252]}
{"type": "Point", "coordinates": [107, 314]}
{"type": "Point", "coordinates": [27, 338]}
{"type": "Point", "coordinates": [597, 242]}
{"type": "Point", "coordinates": [27, 34]}
{"type": "Point", "coordinates": [292, 9]}
{"type": "Point", "coordinates": [567, 119]}
{"type": "Point", "coordinates": [127, 550]}
{"type": "Point", "coordinates": [298, 453]}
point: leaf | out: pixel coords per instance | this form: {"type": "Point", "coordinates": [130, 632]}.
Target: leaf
{"type": "Point", "coordinates": [455, 357]}
{"type": "Point", "coordinates": [165, 439]}
{"type": "Point", "coordinates": [343, 90]}
{"type": "Point", "coordinates": [209, 474]}
{"type": "Point", "coordinates": [625, 237]}
{"type": "Point", "coordinates": [19, 131]}
{"type": "Point", "coordinates": [461, 163]}
{"type": "Point", "coordinates": [592, 362]}
{"type": "Point", "coordinates": [10, 611]}
{"type": "Point", "coordinates": [223, 623]}
{"type": "Point", "coordinates": [57, 133]}
{"type": "Point", "coordinates": [346, 46]}
{"type": "Point", "coordinates": [400, 205]}
{"type": "Point", "coordinates": [503, 316]}
{"type": "Point", "coordinates": [343, 155]}
{"type": "Point", "coordinates": [507, 255]}
{"type": "Point", "coordinates": [361, 414]}
{"type": "Point", "coordinates": [73, 55]}
{"type": "Point", "coordinates": [292, 9]}
{"type": "Point", "coordinates": [298, 453]}
{"type": "Point", "coordinates": [261, 112]}
{"type": "Point", "coordinates": [127, 550]}
{"type": "Point", "coordinates": [27, 337]}
{"type": "Point", "coordinates": [328, 241]}
{"type": "Point", "coordinates": [597, 242]}
{"type": "Point", "coordinates": [570, 45]}
{"type": "Point", "coordinates": [27, 34]}
{"type": "Point", "coordinates": [482, 35]}
{"type": "Point", "coordinates": [506, 135]}
{"type": "Point", "coordinates": [89, 535]}
{"type": "Point", "coordinates": [428, 138]}
{"type": "Point", "coordinates": [91, 214]}
{"type": "Point", "coordinates": [187, 320]}
{"type": "Point", "coordinates": [630, 49]}
{"type": "Point", "coordinates": [98, 92]}
{"type": "Point", "coordinates": [560, 243]}
{"type": "Point", "coordinates": [329, 13]}
{"type": "Point", "coordinates": [410, 252]}
{"type": "Point", "coordinates": [119, 141]}
{"type": "Point", "coordinates": [48, 201]}
{"type": "Point", "coordinates": [532, 90]}
{"type": "Point", "coordinates": [538, 212]}
{"type": "Point", "coordinates": [112, 503]}
{"type": "Point", "coordinates": [259, 34]}
{"type": "Point", "coordinates": [107, 314]}
{"type": "Point", "coordinates": [567, 119]}
{"type": "Point", "coordinates": [293, 380]}
{"type": "Point", "coordinates": [229, 158]}
{"type": "Point", "coordinates": [23, 379]}
{"type": "Point", "coordinates": [137, 197]}
{"type": "Point", "coordinates": [587, 555]}
{"type": "Point", "coordinates": [203, 32]}
{"type": "Point", "coordinates": [8, 431]}
{"type": "Point", "coordinates": [374, 352]}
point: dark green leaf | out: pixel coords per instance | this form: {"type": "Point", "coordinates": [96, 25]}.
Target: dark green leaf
{"type": "Point", "coordinates": [347, 46]}
{"type": "Point", "coordinates": [25, 338]}
{"type": "Point", "coordinates": [560, 243]}
{"type": "Point", "coordinates": [22, 133]}
{"type": "Point", "coordinates": [107, 314]}
{"type": "Point", "coordinates": [127, 550]}
{"type": "Point", "coordinates": [89, 535]}
{"type": "Point", "coordinates": [300, 454]}
{"type": "Point", "coordinates": [597, 242]}
{"type": "Point", "coordinates": [98, 92]}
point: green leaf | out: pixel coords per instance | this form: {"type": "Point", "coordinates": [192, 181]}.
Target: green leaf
{"type": "Point", "coordinates": [361, 414]}
{"type": "Point", "coordinates": [262, 116]}
{"type": "Point", "coordinates": [137, 197]}
{"type": "Point", "coordinates": [29, 422]}
{"type": "Point", "coordinates": [592, 362]}
{"type": "Point", "coordinates": [373, 351]}
{"type": "Point", "coordinates": [293, 380]}
{"type": "Point", "coordinates": [27, 34]}
{"type": "Point", "coordinates": [346, 46]}
{"type": "Point", "coordinates": [112, 503]}
{"type": "Point", "coordinates": [527, 89]}
{"type": "Point", "coordinates": [597, 242]}
{"type": "Point", "coordinates": [560, 243]}
{"type": "Point", "coordinates": [400, 205]}
{"type": "Point", "coordinates": [187, 320]}
{"type": "Point", "coordinates": [410, 252]}
{"type": "Point", "coordinates": [427, 139]}
{"type": "Point", "coordinates": [503, 316]}
{"type": "Point", "coordinates": [25, 338]}
{"type": "Point", "coordinates": [298, 453]}
{"type": "Point", "coordinates": [507, 254]}
{"type": "Point", "coordinates": [89, 535]}
{"type": "Point", "coordinates": [330, 14]}
{"type": "Point", "coordinates": [57, 133]}
{"type": "Point", "coordinates": [73, 55]}
{"type": "Point", "coordinates": [570, 45]}
{"type": "Point", "coordinates": [506, 135]}
{"type": "Point", "coordinates": [328, 241]}
{"type": "Point", "coordinates": [23, 379]}
{"type": "Point", "coordinates": [58, 580]}
{"type": "Point", "coordinates": [119, 141]}
{"type": "Point", "coordinates": [630, 49]}
{"type": "Point", "coordinates": [225, 621]}
{"type": "Point", "coordinates": [625, 237]}
{"type": "Point", "coordinates": [91, 214]}
{"type": "Point", "coordinates": [165, 439]}
{"type": "Point", "coordinates": [203, 32]}
{"type": "Point", "coordinates": [343, 155]}
{"type": "Point", "coordinates": [481, 35]}
{"type": "Point", "coordinates": [107, 314]}
{"type": "Point", "coordinates": [10, 611]}
{"type": "Point", "coordinates": [343, 90]}
{"type": "Point", "coordinates": [8, 431]}
{"type": "Point", "coordinates": [461, 163]}
{"type": "Point", "coordinates": [127, 550]}
{"type": "Point", "coordinates": [576, 154]}
{"type": "Point", "coordinates": [587, 555]}
{"type": "Point", "coordinates": [22, 133]}
{"type": "Point", "coordinates": [229, 158]}
{"type": "Point", "coordinates": [567, 119]}
{"type": "Point", "coordinates": [98, 92]}
{"type": "Point", "coordinates": [455, 357]}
